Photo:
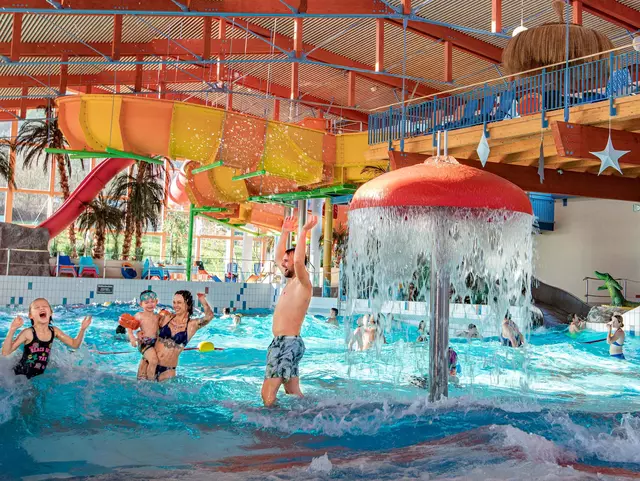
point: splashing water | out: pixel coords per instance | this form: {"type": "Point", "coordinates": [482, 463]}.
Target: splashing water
{"type": "Point", "coordinates": [485, 254]}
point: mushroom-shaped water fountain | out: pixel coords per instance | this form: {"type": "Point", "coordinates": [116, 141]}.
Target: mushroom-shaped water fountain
{"type": "Point", "coordinates": [441, 224]}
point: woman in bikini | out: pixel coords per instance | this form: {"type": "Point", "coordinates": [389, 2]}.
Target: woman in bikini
{"type": "Point", "coordinates": [616, 339]}
{"type": "Point", "coordinates": [176, 330]}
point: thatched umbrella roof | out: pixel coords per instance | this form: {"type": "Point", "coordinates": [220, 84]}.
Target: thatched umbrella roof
{"type": "Point", "coordinates": [545, 45]}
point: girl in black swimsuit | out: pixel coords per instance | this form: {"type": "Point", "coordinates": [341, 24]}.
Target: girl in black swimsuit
{"type": "Point", "coordinates": [37, 339]}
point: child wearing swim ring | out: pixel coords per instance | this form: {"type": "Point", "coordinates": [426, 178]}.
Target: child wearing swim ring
{"type": "Point", "coordinates": [38, 339]}
{"type": "Point", "coordinates": [145, 338]}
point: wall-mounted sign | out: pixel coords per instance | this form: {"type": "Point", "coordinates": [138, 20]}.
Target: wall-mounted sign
{"type": "Point", "coordinates": [104, 289]}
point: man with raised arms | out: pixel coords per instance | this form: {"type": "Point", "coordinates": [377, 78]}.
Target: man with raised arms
{"type": "Point", "coordinates": [287, 348]}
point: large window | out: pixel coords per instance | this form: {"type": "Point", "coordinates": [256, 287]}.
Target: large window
{"type": "Point", "coordinates": [30, 209]}
{"type": "Point", "coordinates": [34, 178]}
{"type": "Point", "coordinates": [214, 255]}
{"type": "Point", "coordinates": [38, 196]}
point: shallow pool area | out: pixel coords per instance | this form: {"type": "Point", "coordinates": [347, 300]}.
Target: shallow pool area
{"type": "Point", "coordinates": [560, 409]}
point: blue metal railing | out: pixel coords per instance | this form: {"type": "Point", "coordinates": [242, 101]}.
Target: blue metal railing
{"type": "Point", "coordinates": [604, 79]}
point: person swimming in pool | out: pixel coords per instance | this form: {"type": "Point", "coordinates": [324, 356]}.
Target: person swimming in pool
{"type": "Point", "coordinates": [176, 330]}
{"type": "Point", "coordinates": [511, 335]}
{"type": "Point", "coordinates": [576, 324]}
{"type": "Point", "coordinates": [333, 317]}
{"type": "Point", "coordinates": [470, 333]}
{"type": "Point", "coordinates": [423, 334]}
{"type": "Point", "coordinates": [226, 312]}
{"type": "Point", "coordinates": [38, 339]}
{"type": "Point", "coordinates": [121, 333]}
{"type": "Point", "coordinates": [616, 339]}
{"type": "Point", "coordinates": [356, 342]}
{"type": "Point", "coordinates": [237, 320]}
{"type": "Point", "coordinates": [287, 348]}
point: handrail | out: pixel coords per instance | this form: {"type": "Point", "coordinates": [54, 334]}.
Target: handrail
{"type": "Point", "coordinates": [614, 278]}
{"type": "Point", "coordinates": [599, 296]}
{"type": "Point", "coordinates": [504, 77]}
{"type": "Point", "coordinates": [606, 78]}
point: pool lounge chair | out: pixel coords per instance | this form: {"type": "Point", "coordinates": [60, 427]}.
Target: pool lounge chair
{"type": "Point", "coordinates": [87, 268]}
{"type": "Point", "coordinates": [232, 272]}
{"type": "Point", "coordinates": [65, 267]}
{"type": "Point", "coordinates": [151, 271]}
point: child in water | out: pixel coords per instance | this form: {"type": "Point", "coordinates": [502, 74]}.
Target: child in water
{"type": "Point", "coordinates": [146, 336]}
{"type": "Point", "coordinates": [38, 339]}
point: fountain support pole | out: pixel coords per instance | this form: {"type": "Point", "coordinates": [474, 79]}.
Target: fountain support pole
{"type": "Point", "coordinates": [327, 247]}
{"type": "Point", "coordinates": [439, 332]}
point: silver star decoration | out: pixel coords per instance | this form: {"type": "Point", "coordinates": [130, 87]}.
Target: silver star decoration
{"type": "Point", "coordinates": [541, 163]}
{"type": "Point", "coordinates": [609, 157]}
{"type": "Point", "coordinates": [483, 149]}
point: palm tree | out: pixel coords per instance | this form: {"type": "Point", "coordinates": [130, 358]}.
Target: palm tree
{"type": "Point", "coordinates": [339, 243]}
{"type": "Point", "coordinates": [6, 169]}
{"type": "Point", "coordinates": [103, 216]}
{"type": "Point", "coordinates": [33, 138]}
{"type": "Point", "coordinates": [142, 194]}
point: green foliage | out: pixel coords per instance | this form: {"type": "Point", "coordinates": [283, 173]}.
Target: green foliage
{"type": "Point", "coordinates": [6, 171]}
{"type": "Point", "coordinates": [67, 250]}
{"type": "Point", "coordinates": [339, 246]}
{"type": "Point", "coordinates": [139, 253]}
{"type": "Point", "coordinates": [53, 247]}
{"type": "Point", "coordinates": [176, 226]}
{"type": "Point", "coordinates": [113, 250]}
{"type": "Point", "coordinates": [141, 195]}
{"type": "Point", "coordinates": [103, 217]}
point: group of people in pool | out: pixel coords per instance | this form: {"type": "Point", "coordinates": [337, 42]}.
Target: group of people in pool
{"type": "Point", "coordinates": [162, 337]}
{"type": "Point", "coordinates": [615, 335]}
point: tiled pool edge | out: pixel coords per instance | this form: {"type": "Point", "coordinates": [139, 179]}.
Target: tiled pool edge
{"type": "Point", "coordinates": [17, 291]}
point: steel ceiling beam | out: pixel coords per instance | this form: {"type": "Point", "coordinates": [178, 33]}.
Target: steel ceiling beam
{"type": "Point", "coordinates": [459, 40]}
{"type": "Point", "coordinates": [614, 12]}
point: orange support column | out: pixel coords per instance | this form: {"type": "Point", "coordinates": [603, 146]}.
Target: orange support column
{"type": "Point", "coordinates": [23, 102]}
{"type": "Point", "coordinates": [577, 12]}
{"type": "Point", "coordinates": [448, 61]}
{"type": "Point", "coordinates": [16, 37]}
{"type": "Point", "coordinates": [206, 39]}
{"type": "Point", "coordinates": [276, 110]}
{"type": "Point", "coordinates": [137, 84]}
{"type": "Point", "coordinates": [496, 16]}
{"type": "Point", "coordinates": [223, 72]}
{"type": "Point", "coordinates": [64, 68]}
{"type": "Point", "coordinates": [351, 93]}
{"type": "Point", "coordinates": [117, 37]}
{"type": "Point", "coordinates": [379, 45]}
{"type": "Point", "coordinates": [295, 67]}
{"type": "Point", "coordinates": [406, 7]}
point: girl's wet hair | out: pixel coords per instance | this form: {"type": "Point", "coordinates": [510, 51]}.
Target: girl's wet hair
{"type": "Point", "coordinates": [618, 317]}
{"type": "Point", "coordinates": [188, 299]}
{"type": "Point", "coordinates": [48, 303]}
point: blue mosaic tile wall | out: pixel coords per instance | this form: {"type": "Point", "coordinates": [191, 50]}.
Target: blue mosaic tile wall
{"type": "Point", "coordinates": [21, 290]}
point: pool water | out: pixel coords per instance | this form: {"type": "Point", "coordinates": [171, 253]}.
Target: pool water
{"type": "Point", "coordinates": [560, 410]}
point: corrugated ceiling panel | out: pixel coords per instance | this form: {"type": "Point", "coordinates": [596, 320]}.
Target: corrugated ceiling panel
{"type": "Point", "coordinates": [67, 28]}
{"type": "Point", "coordinates": [618, 35]}
{"type": "Point", "coordinates": [30, 66]}
{"type": "Point", "coordinates": [144, 29]}
{"type": "Point", "coordinates": [352, 38]}
{"type": "Point", "coordinates": [10, 93]}
{"type": "Point", "coordinates": [6, 25]}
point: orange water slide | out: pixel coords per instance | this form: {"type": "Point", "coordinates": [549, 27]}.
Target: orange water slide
{"type": "Point", "coordinates": [232, 156]}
